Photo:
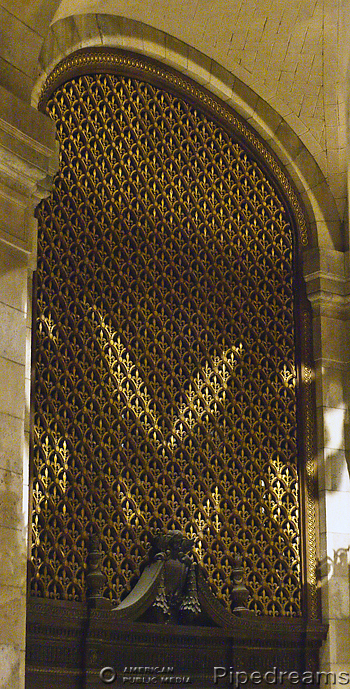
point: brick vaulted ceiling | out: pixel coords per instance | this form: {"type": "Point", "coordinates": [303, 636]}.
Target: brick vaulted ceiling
{"type": "Point", "coordinates": [292, 54]}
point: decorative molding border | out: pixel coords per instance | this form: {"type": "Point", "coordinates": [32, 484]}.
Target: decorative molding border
{"type": "Point", "coordinates": [85, 61]}
{"type": "Point", "coordinates": [309, 469]}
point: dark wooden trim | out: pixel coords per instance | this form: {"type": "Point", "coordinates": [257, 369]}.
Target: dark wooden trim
{"type": "Point", "coordinates": [66, 649]}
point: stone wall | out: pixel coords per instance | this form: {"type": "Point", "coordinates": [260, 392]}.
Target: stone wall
{"type": "Point", "coordinates": [27, 149]}
{"type": "Point", "coordinates": [327, 275]}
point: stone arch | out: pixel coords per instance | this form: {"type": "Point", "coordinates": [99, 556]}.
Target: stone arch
{"type": "Point", "coordinates": [69, 34]}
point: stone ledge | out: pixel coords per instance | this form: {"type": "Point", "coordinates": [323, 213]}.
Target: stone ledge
{"type": "Point", "coordinates": [28, 155]}
{"type": "Point", "coordinates": [326, 274]}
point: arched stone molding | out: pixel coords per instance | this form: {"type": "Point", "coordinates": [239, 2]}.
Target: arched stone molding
{"type": "Point", "coordinates": [70, 34]}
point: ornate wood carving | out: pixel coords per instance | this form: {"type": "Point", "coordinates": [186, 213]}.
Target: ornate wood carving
{"type": "Point", "coordinates": [68, 651]}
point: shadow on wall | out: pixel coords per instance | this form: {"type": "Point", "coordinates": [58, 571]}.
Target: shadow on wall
{"type": "Point", "coordinates": [335, 580]}
{"type": "Point", "coordinates": [336, 453]}
{"type": "Point", "coordinates": [334, 574]}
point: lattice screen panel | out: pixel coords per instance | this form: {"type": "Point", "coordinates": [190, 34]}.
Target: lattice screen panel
{"type": "Point", "coordinates": [165, 389]}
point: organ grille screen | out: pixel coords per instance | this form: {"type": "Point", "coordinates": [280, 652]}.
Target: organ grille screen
{"type": "Point", "coordinates": [165, 389]}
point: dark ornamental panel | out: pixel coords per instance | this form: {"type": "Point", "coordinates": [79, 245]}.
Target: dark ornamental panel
{"type": "Point", "coordinates": [165, 394]}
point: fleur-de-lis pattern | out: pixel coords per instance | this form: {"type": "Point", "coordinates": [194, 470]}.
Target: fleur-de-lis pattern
{"type": "Point", "coordinates": [165, 390]}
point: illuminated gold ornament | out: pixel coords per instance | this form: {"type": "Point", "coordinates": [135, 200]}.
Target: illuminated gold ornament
{"type": "Point", "coordinates": [165, 394]}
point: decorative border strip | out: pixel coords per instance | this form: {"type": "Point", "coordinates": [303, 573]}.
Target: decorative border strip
{"type": "Point", "coordinates": [309, 473]}
{"type": "Point", "coordinates": [101, 58]}
{"type": "Point", "coordinates": [54, 670]}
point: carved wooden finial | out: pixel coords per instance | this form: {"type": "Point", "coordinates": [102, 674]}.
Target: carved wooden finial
{"type": "Point", "coordinates": [190, 606]}
{"type": "Point", "coordinates": [240, 593]}
{"type": "Point", "coordinates": [95, 577]}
